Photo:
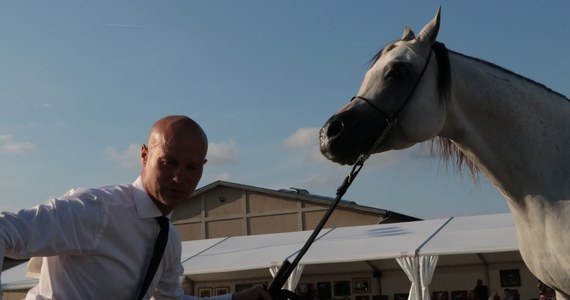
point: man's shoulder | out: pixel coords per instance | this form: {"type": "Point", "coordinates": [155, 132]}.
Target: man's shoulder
{"type": "Point", "coordinates": [102, 190]}
{"type": "Point", "coordinates": [109, 194]}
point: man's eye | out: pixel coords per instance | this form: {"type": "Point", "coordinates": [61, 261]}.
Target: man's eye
{"type": "Point", "coordinates": [193, 167]}
{"type": "Point", "coordinates": [167, 163]}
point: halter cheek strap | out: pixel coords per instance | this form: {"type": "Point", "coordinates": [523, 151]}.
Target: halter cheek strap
{"type": "Point", "coordinates": [391, 119]}
{"type": "Point", "coordinates": [410, 94]}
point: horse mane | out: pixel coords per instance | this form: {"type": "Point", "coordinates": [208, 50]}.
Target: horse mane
{"type": "Point", "coordinates": [447, 149]}
{"type": "Point", "coordinates": [502, 69]}
{"type": "Point", "coordinates": [444, 146]}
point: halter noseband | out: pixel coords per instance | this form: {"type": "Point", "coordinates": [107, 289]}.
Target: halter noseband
{"type": "Point", "coordinates": [391, 119]}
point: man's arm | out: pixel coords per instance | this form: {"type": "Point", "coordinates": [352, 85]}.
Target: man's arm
{"type": "Point", "coordinates": [60, 226]}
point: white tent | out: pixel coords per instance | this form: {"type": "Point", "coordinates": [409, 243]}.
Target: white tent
{"type": "Point", "coordinates": [202, 259]}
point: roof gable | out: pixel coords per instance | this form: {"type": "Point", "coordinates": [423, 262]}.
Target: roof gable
{"type": "Point", "coordinates": [302, 195]}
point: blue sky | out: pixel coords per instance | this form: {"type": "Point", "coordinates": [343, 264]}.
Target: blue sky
{"type": "Point", "coordinates": [82, 81]}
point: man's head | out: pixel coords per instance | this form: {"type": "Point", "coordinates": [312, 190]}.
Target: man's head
{"type": "Point", "coordinates": [173, 160]}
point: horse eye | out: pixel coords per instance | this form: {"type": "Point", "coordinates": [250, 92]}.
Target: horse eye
{"type": "Point", "coordinates": [398, 71]}
{"type": "Point", "coordinates": [389, 48]}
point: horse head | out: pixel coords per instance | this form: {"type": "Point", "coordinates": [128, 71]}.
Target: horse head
{"type": "Point", "coordinates": [401, 85]}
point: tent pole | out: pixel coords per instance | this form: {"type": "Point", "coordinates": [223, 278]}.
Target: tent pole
{"type": "Point", "coordinates": [419, 283]}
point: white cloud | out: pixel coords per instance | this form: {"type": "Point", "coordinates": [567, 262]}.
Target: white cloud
{"type": "Point", "coordinates": [324, 180]}
{"type": "Point", "coordinates": [402, 158]}
{"type": "Point", "coordinates": [44, 105]}
{"type": "Point", "coordinates": [317, 156]}
{"type": "Point", "coordinates": [128, 159]}
{"type": "Point", "coordinates": [8, 145]}
{"type": "Point", "coordinates": [11, 183]}
{"type": "Point", "coordinates": [128, 25]}
{"type": "Point", "coordinates": [388, 158]}
{"type": "Point", "coordinates": [5, 138]}
{"type": "Point", "coordinates": [302, 138]}
{"type": "Point", "coordinates": [306, 140]}
{"type": "Point", "coordinates": [13, 147]}
{"type": "Point", "coordinates": [225, 176]}
{"type": "Point", "coordinates": [219, 153]}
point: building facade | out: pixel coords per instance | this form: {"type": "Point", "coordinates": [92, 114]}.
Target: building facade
{"type": "Point", "coordinates": [223, 209]}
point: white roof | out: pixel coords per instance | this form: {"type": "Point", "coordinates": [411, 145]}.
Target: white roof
{"type": "Point", "coordinates": [474, 234]}
{"type": "Point", "coordinates": [455, 235]}
{"type": "Point", "coordinates": [383, 241]}
{"type": "Point", "coordinates": [16, 278]}
{"type": "Point", "coordinates": [444, 236]}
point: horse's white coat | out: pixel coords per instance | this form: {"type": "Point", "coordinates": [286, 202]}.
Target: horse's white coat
{"type": "Point", "coordinates": [518, 134]}
{"type": "Point", "coordinates": [515, 131]}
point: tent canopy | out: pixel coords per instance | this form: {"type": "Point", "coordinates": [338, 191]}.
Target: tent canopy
{"type": "Point", "coordinates": [444, 236]}
{"type": "Point", "coordinates": [455, 235]}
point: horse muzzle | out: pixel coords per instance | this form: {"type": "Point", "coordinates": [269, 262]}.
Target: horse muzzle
{"type": "Point", "coordinates": [343, 138]}
{"type": "Point", "coordinates": [331, 145]}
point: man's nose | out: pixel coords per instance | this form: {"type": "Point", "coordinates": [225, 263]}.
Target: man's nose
{"type": "Point", "coordinates": [178, 175]}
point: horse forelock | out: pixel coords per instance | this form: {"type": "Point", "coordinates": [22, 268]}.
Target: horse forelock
{"type": "Point", "coordinates": [444, 72]}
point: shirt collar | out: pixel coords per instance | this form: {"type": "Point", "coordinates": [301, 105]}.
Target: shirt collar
{"type": "Point", "coordinates": [144, 205]}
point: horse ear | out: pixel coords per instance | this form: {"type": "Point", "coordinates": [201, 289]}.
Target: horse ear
{"type": "Point", "coordinates": [428, 34]}
{"type": "Point", "coordinates": [408, 34]}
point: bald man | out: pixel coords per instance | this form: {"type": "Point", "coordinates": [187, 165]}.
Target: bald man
{"type": "Point", "coordinates": [97, 243]}
{"type": "Point", "coordinates": [173, 161]}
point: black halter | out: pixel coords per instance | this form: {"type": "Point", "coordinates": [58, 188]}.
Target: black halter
{"type": "Point", "coordinates": [391, 118]}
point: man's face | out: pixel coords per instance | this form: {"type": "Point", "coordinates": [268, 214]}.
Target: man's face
{"type": "Point", "coordinates": [172, 168]}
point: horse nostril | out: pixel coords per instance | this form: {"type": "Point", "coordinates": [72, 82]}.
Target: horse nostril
{"type": "Point", "coordinates": [335, 129]}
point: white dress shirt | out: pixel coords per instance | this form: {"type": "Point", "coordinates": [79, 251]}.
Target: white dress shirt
{"type": "Point", "coordinates": [94, 244]}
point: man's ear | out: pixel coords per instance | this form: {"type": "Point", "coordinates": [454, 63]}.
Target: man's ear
{"type": "Point", "coordinates": [144, 154]}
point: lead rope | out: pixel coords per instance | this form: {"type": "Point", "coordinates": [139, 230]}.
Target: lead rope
{"type": "Point", "coordinates": [276, 286]}
{"type": "Point", "coordinates": [390, 122]}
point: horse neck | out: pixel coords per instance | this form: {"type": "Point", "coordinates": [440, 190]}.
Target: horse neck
{"type": "Point", "coordinates": [514, 130]}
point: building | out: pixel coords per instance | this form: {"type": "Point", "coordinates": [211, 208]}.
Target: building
{"type": "Point", "coordinates": [223, 209]}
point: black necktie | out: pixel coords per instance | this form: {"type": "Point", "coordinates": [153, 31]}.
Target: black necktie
{"type": "Point", "coordinates": [156, 254]}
